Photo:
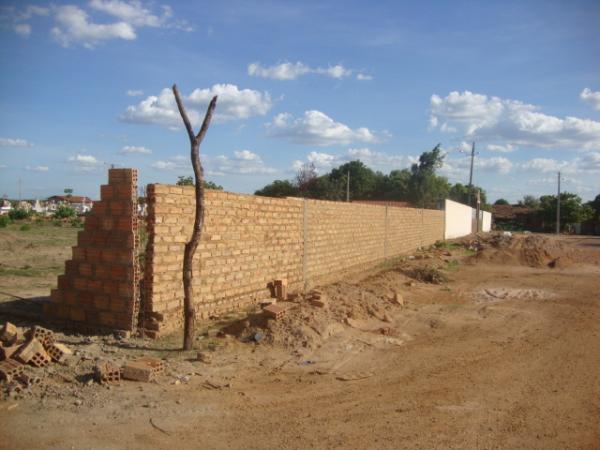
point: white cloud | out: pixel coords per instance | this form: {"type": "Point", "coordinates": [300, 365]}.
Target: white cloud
{"type": "Point", "coordinates": [129, 149]}
{"type": "Point", "coordinates": [458, 168]}
{"type": "Point", "coordinates": [233, 103]}
{"type": "Point", "coordinates": [22, 29]}
{"type": "Point", "coordinates": [37, 168]}
{"type": "Point", "coordinates": [170, 165]}
{"type": "Point", "coordinates": [324, 162]}
{"type": "Point", "coordinates": [337, 71]}
{"type": "Point", "coordinates": [545, 165]}
{"type": "Point", "coordinates": [84, 163]}
{"type": "Point", "coordinates": [243, 162]}
{"type": "Point", "coordinates": [283, 71]}
{"type": "Point", "coordinates": [291, 71]}
{"type": "Point", "coordinates": [33, 10]}
{"type": "Point", "coordinates": [316, 128]}
{"type": "Point", "coordinates": [246, 155]}
{"type": "Point", "coordinates": [591, 98]}
{"type": "Point", "coordinates": [3, 166]}
{"type": "Point", "coordinates": [74, 26]}
{"type": "Point", "coordinates": [511, 122]}
{"type": "Point", "coordinates": [588, 163]}
{"type": "Point", "coordinates": [132, 12]}
{"type": "Point", "coordinates": [380, 160]}
{"type": "Point", "coordinates": [134, 93]}
{"type": "Point", "coordinates": [507, 148]}
{"type": "Point", "coordinates": [496, 164]}
{"type": "Point", "coordinates": [9, 142]}
{"type": "Point", "coordinates": [364, 77]}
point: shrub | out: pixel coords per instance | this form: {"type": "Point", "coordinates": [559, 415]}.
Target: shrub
{"type": "Point", "coordinates": [25, 227]}
{"type": "Point", "coordinates": [64, 212]}
{"type": "Point", "coordinates": [76, 223]}
{"type": "Point", "coordinates": [18, 214]}
{"type": "Point", "coordinates": [57, 223]}
{"type": "Point", "coordinates": [4, 221]}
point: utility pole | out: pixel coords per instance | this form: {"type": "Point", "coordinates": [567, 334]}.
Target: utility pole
{"type": "Point", "coordinates": [471, 172]}
{"type": "Point", "coordinates": [348, 187]}
{"type": "Point", "coordinates": [478, 210]}
{"type": "Point", "coordinates": [558, 207]}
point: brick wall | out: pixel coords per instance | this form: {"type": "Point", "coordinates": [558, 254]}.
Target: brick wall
{"type": "Point", "coordinates": [249, 241]}
{"type": "Point", "coordinates": [99, 289]}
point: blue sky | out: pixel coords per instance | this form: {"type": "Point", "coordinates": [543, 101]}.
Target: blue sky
{"type": "Point", "coordinates": [86, 84]}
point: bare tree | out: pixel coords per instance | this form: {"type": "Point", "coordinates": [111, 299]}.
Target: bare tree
{"type": "Point", "coordinates": [189, 316]}
{"type": "Point", "coordinates": [306, 178]}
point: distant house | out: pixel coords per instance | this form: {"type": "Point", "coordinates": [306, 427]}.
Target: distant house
{"type": "Point", "coordinates": [38, 208]}
{"type": "Point", "coordinates": [25, 206]}
{"type": "Point", "coordinates": [516, 217]}
{"type": "Point", "coordinates": [5, 207]}
{"type": "Point", "coordinates": [80, 204]}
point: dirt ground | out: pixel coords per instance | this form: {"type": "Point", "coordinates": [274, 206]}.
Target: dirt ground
{"type": "Point", "coordinates": [493, 342]}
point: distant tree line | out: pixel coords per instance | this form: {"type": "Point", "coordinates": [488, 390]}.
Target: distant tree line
{"type": "Point", "coordinates": [572, 210]}
{"type": "Point", "coordinates": [420, 185]}
{"type": "Point", "coordinates": [189, 181]}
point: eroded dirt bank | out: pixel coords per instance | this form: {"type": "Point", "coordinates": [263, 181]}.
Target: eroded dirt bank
{"type": "Point", "coordinates": [504, 354]}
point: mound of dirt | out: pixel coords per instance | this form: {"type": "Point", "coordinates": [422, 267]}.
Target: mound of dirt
{"type": "Point", "coordinates": [528, 250]}
{"type": "Point", "coordinates": [348, 307]}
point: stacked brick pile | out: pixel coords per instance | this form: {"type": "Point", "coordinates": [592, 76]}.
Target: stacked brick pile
{"type": "Point", "coordinates": [100, 286]}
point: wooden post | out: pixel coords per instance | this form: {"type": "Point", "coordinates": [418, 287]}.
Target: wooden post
{"type": "Point", "coordinates": [190, 247]}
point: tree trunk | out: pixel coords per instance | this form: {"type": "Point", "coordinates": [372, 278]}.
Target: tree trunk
{"type": "Point", "coordinates": [189, 311]}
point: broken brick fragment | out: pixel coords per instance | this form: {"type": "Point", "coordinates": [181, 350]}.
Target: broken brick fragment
{"type": "Point", "coordinates": [9, 333]}
{"type": "Point", "coordinates": [59, 353]}
{"type": "Point", "coordinates": [274, 311]}
{"type": "Point", "coordinates": [280, 289]}
{"type": "Point", "coordinates": [33, 352]}
{"type": "Point", "coordinates": [45, 336]}
{"type": "Point", "coordinates": [105, 372]}
{"type": "Point", "coordinates": [10, 369]}
{"type": "Point", "coordinates": [6, 352]}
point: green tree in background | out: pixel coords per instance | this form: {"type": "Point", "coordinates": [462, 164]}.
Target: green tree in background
{"type": "Point", "coordinates": [189, 181]}
{"type": "Point", "coordinates": [501, 201]}
{"type": "Point", "coordinates": [530, 201]}
{"type": "Point", "coordinates": [460, 193]}
{"type": "Point", "coordinates": [572, 210]}
{"type": "Point", "coordinates": [425, 187]}
{"type": "Point", "coordinates": [279, 188]}
{"type": "Point", "coordinates": [595, 206]}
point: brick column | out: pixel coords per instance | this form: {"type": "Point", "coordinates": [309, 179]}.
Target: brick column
{"type": "Point", "coordinates": [100, 287]}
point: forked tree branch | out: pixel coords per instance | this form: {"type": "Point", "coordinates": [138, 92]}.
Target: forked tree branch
{"type": "Point", "coordinates": [192, 244]}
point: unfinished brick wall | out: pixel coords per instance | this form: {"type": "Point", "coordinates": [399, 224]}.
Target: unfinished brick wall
{"type": "Point", "coordinates": [249, 241]}
{"type": "Point", "coordinates": [100, 286]}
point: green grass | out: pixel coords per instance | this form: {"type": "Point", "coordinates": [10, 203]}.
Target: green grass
{"type": "Point", "coordinates": [451, 265]}
{"type": "Point", "coordinates": [390, 263]}
{"type": "Point", "coordinates": [447, 245]}
{"type": "Point", "coordinates": [469, 252]}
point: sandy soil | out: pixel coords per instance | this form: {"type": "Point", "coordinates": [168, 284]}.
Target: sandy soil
{"type": "Point", "coordinates": [505, 354]}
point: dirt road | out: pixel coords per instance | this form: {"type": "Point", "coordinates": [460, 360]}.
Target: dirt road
{"type": "Point", "coordinates": [500, 356]}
